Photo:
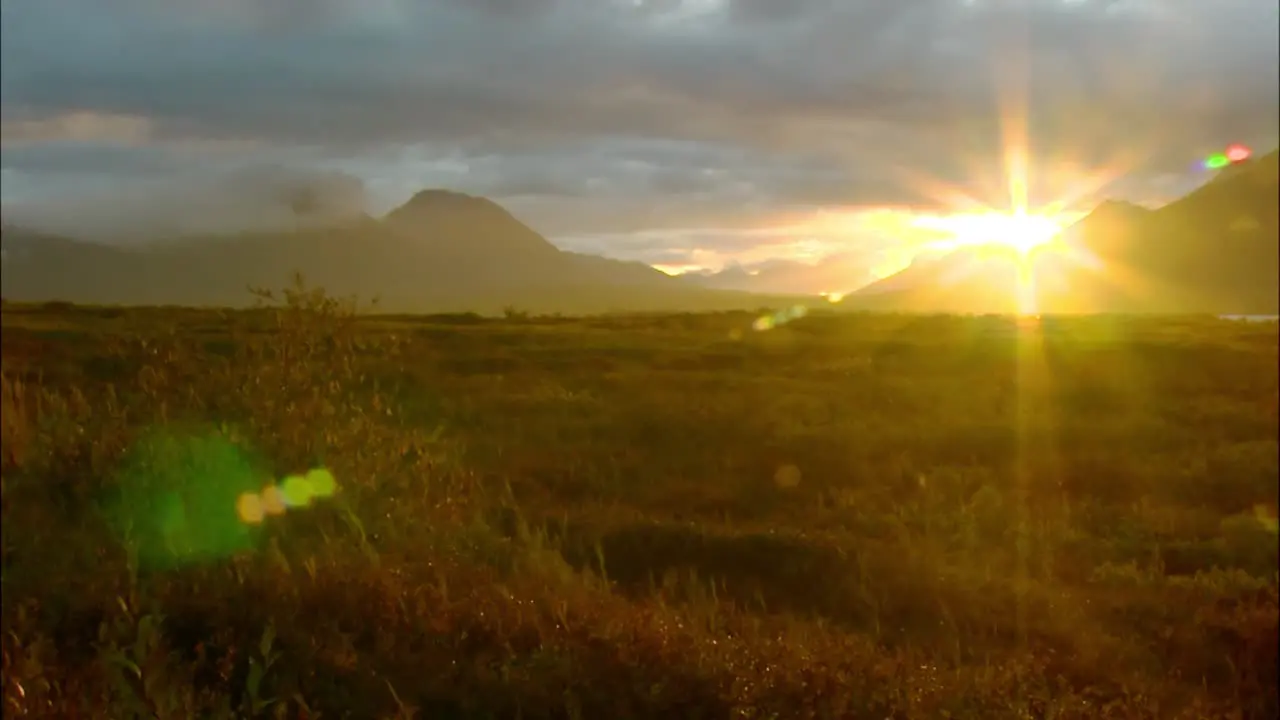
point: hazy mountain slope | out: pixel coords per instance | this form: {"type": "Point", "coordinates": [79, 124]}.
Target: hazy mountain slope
{"type": "Point", "coordinates": [1213, 251]}
{"type": "Point", "coordinates": [1217, 247]}
{"type": "Point", "coordinates": [838, 273]}
{"type": "Point", "coordinates": [969, 280]}
{"type": "Point", "coordinates": [441, 251]}
{"type": "Point", "coordinates": [622, 272]}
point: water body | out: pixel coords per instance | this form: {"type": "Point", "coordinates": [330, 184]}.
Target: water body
{"type": "Point", "coordinates": [1251, 318]}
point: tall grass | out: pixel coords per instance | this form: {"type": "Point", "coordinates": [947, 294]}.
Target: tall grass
{"type": "Point", "coordinates": [542, 520]}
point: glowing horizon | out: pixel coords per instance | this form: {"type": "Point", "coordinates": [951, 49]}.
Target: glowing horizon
{"type": "Point", "coordinates": [904, 236]}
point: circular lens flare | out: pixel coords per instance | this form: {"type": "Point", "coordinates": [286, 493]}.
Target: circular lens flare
{"type": "Point", "coordinates": [1238, 153]}
{"type": "Point", "coordinates": [249, 508]}
{"type": "Point", "coordinates": [1216, 161]}
{"type": "Point", "coordinates": [296, 491]}
{"type": "Point", "coordinates": [321, 483]}
{"type": "Point", "coordinates": [273, 500]}
{"type": "Point", "coordinates": [1234, 153]}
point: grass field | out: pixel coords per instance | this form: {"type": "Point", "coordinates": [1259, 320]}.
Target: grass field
{"type": "Point", "coordinates": [864, 516]}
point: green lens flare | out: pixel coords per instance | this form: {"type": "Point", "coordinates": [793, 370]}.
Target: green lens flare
{"type": "Point", "coordinates": [178, 498]}
{"type": "Point", "coordinates": [321, 482]}
{"type": "Point", "coordinates": [193, 497]}
{"type": "Point", "coordinates": [296, 491]}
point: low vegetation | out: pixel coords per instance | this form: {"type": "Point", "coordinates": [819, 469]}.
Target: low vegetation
{"type": "Point", "coordinates": [866, 516]}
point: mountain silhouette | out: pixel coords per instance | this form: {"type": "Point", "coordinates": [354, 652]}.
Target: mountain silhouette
{"type": "Point", "coordinates": [838, 273]}
{"type": "Point", "coordinates": [441, 251]}
{"type": "Point", "coordinates": [1215, 250]}
{"type": "Point", "coordinates": [451, 221]}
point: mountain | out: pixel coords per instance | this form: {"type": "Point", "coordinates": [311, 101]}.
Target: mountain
{"type": "Point", "coordinates": [974, 279]}
{"type": "Point", "coordinates": [457, 223]}
{"type": "Point", "coordinates": [833, 274]}
{"type": "Point", "coordinates": [1215, 250]}
{"type": "Point", "coordinates": [439, 252]}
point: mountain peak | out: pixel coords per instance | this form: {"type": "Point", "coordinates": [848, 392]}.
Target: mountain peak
{"type": "Point", "coordinates": [435, 200]}
{"type": "Point", "coordinates": [445, 217]}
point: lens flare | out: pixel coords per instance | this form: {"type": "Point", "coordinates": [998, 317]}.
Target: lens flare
{"type": "Point", "coordinates": [180, 498]}
{"type": "Point", "coordinates": [1238, 153]}
{"type": "Point", "coordinates": [1216, 161]}
{"type": "Point", "coordinates": [294, 491]}
{"type": "Point", "coordinates": [249, 508]}
{"type": "Point", "coordinates": [321, 482]}
{"type": "Point", "coordinates": [273, 500]}
{"type": "Point", "coordinates": [1235, 153]}
{"type": "Point", "coordinates": [193, 494]}
{"type": "Point", "coordinates": [781, 317]}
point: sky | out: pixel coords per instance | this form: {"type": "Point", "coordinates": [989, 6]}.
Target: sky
{"type": "Point", "coordinates": [684, 133]}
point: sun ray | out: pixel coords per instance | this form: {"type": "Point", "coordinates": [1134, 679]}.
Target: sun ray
{"type": "Point", "coordinates": [1011, 90]}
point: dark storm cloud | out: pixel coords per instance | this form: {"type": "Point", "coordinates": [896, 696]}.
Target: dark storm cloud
{"type": "Point", "coordinates": [696, 106]}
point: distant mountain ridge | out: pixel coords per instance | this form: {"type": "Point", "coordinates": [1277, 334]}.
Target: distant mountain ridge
{"type": "Point", "coordinates": [441, 251]}
{"type": "Point", "coordinates": [1215, 250]}
{"type": "Point", "coordinates": [838, 274]}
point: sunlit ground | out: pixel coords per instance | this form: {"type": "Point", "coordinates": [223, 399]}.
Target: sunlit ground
{"type": "Point", "coordinates": [1030, 240]}
{"type": "Point", "coordinates": [864, 515]}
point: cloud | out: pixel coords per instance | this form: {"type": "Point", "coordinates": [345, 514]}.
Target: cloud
{"type": "Point", "coordinates": [182, 201]}
{"type": "Point", "coordinates": [604, 116]}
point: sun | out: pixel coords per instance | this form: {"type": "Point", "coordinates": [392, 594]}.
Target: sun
{"type": "Point", "coordinates": [1020, 231]}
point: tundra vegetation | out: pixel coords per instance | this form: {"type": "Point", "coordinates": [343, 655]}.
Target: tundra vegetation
{"type": "Point", "coordinates": [858, 516]}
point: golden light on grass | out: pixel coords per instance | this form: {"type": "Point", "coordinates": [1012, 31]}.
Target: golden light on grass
{"type": "Point", "coordinates": [896, 509]}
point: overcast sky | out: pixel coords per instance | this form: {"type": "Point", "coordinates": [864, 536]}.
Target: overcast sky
{"type": "Point", "coordinates": [676, 131]}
